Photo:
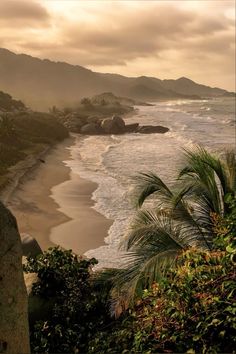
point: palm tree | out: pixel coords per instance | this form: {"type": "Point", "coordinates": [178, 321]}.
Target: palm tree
{"type": "Point", "coordinates": [182, 217]}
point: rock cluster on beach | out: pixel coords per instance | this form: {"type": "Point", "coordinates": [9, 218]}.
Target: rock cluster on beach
{"type": "Point", "coordinates": [101, 126]}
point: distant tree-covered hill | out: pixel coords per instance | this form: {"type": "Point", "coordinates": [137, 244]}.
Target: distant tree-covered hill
{"type": "Point", "coordinates": [8, 104]}
{"type": "Point", "coordinates": [24, 134]}
{"type": "Point", "coordinates": [43, 83]}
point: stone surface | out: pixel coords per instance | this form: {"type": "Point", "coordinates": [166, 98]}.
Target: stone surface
{"type": "Point", "coordinates": [150, 129]}
{"type": "Point", "coordinates": [131, 128]}
{"type": "Point", "coordinates": [114, 125]}
{"type": "Point", "coordinates": [30, 246]}
{"type": "Point", "coordinates": [14, 331]}
{"type": "Point", "coordinates": [93, 119]}
{"type": "Point", "coordinates": [90, 129]}
{"type": "Point", "coordinates": [119, 122]}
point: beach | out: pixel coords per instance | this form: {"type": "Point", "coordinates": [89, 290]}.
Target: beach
{"type": "Point", "coordinates": [39, 214]}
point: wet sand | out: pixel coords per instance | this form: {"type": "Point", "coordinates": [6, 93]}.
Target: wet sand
{"type": "Point", "coordinates": [54, 206]}
{"type": "Point", "coordinates": [86, 228]}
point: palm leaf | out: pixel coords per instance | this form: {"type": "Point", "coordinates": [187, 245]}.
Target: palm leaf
{"type": "Point", "coordinates": [149, 183]}
{"type": "Point", "coordinates": [180, 218]}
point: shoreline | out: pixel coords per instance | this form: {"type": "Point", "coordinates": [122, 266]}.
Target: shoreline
{"type": "Point", "coordinates": [85, 229]}
{"type": "Point", "coordinates": [41, 203]}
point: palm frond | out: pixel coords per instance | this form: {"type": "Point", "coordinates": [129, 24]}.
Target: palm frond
{"type": "Point", "coordinates": [230, 165]}
{"type": "Point", "coordinates": [202, 169]}
{"type": "Point", "coordinates": [151, 225]}
{"type": "Point", "coordinates": [149, 183]}
{"type": "Point", "coordinates": [180, 218]}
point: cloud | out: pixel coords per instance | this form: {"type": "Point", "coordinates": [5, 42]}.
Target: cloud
{"type": "Point", "coordinates": [124, 37]}
{"type": "Point", "coordinates": [22, 12]}
{"type": "Point", "coordinates": [157, 38]}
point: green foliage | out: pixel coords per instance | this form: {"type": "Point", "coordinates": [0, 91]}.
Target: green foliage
{"type": "Point", "coordinates": [26, 133]}
{"type": "Point", "coordinates": [7, 103]}
{"type": "Point", "coordinates": [181, 217]}
{"type": "Point", "coordinates": [77, 307]}
{"type": "Point", "coordinates": [191, 310]}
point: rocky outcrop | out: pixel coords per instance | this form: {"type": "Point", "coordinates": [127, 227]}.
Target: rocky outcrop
{"type": "Point", "coordinates": [150, 129]}
{"type": "Point", "coordinates": [95, 125]}
{"type": "Point", "coordinates": [30, 246]}
{"type": "Point", "coordinates": [114, 125]}
{"type": "Point", "coordinates": [131, 128]}
{"type": "Point", "coordinates": [72, 121]}
{"type": "Point", "coordinates": [14, 331]}
{"type": "Point", "coordinates": [94, 119]}
{"type": "Point", "coordinates": [91, 129]}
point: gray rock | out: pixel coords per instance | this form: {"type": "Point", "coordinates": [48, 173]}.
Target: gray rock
{"type": "Point", "coordinates": [30, 246]}
{"type": "Point", "coordinates": [119, 122]}
{"type": "Point", "coordinates": [114, 125]}
{"type": "Point", "coordinates": [14, 331]}
{"type": "Point", "coordinates": [90, 129]}
{"type": "Point", "coordinates": [131, 128]}
{"type": "Point", "coordinates": [94, 119]}
{"type": "Point", "coordinates": [150, 129]}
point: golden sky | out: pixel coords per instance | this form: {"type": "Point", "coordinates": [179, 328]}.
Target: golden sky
{"type": "Point", "coordinates": [165, 39]}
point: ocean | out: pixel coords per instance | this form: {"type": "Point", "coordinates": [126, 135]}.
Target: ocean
{"type": "Point", "coordinates": [113, 161]}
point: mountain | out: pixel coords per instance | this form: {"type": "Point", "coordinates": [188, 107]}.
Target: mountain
{"type": "Point", "coordinates": [44, 83]}
{"type": "Point", "coordinates": [184, 85]}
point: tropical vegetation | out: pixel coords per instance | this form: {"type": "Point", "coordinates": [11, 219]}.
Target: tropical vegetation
{"type": "Point", "coordinates": [23, 134]}
{"type": "Point", "coordinates": [176, 292]}
{"type": "Point", "coordinates": [190, 310]}
{"type": "Point", "coordinates": [181, 217]}
{"type": "Point", "coordinates": [65, 307]}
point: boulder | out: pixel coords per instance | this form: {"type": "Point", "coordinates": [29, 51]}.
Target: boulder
{"type": "Point", "coordinates": [94, 119]}
{"type": "Point", "coordinates": [14, 331]}
{"type": "Point", "coordinates": [74, 123]}
{"type": "Point", "coordinates": [131, 128]}
{"type": "Point", "coordinates": [150, 129]}
{"type": "Point", "coordinates": [119, 122]}
{"type": "Point", "coordinates": [114, 125]}
{"type": "Point", "coordinates": [30, 246]}
{"type": "Point", "coordinates": [91, 129]}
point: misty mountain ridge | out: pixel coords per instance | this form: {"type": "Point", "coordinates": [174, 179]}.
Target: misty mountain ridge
{"type": "Point", "coordinates": [41, 83]}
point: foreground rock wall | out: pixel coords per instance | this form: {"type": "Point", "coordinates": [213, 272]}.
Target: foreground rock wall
{"type": "Point", "coordinates": [14, 331]}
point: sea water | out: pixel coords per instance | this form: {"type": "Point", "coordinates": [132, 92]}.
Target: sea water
{"type": "Point", "coordinates": [114, 161]}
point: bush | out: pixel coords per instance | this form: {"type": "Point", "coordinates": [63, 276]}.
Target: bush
{"type": "Point", "coordinates": [77, 307]}
{"type": "Point", "coordinates": [191, 310]}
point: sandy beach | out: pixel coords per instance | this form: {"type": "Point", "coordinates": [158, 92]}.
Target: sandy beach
{"type": "Point", "coordinates": [50, 200]}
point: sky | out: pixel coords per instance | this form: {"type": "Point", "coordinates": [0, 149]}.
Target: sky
{"type": "Point", "coordinates": [164, 39]}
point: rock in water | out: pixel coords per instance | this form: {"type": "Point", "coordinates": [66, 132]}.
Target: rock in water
{"type": "Point", "coordinates": [14, 331]}
{"type": "Point", "coordinates": [131, 128]}
{"type": "Point", "coordinates": [119, 122]}
{"type": "Point", "coordinates": [90, 129]}
{"type": "Point", "coordinates": [150, 129]}
{"type": "Point", "coordinates": [114, 125]}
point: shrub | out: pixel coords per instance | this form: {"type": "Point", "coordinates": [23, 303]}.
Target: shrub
{"type": "Point", "coordinates": [191, 310]}
{"type": "Point", "coordinates": [77, 308]}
